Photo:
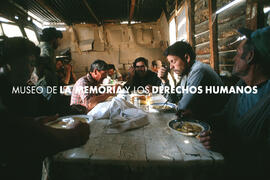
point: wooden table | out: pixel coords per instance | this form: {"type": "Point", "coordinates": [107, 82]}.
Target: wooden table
{"type": "Point", "coordinates": [152, 152]}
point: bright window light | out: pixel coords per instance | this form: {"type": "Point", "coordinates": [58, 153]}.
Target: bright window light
{"type": "Point", "coordinates": [131, 22]}
{"type": "Point", "coordinates": [11, 30]}
{"type": "Point", "coordinates": [4, 20]}
{"type": "Point", "coordinates": [266, 10]}
{"type": "Point", "coordinates": [34, 16]}
{"type": "Point", "coordinates": [172, 31]}
{"type": "Point", "coordinates": [38, 24]}
{"type": "Point", "coordinates": [183, 22]}
{"type": "Point", "coordinates": [228, 6]}
{"type": "Point", "coordinates": [31, 35]}
{"type": "Point", "coordinates": [61, 28]}
{"type": "Point", "coordinates": [1, 32]}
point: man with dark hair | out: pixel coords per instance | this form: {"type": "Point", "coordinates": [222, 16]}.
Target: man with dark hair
{"type": "Point", "coordinates": [25, 140]}
{"type": "Point", "coordinates": [140, 75]}
{"type": "Point", "coordinates": [98, 71]}
{"type": "Point", "coordinates": [193, 73]}
{"type": "Point", "coordinates": [114, 73]}
{"type": "Point", "coordinates": [242, 130]}
{"type": "Point", "coordinates": [65, 73]}
{"type": "Point", "coordinates": [49, 43]}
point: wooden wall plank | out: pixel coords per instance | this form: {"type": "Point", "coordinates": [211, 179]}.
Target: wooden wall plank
{"type": "Point", "coordinates": [201, 16]}
{"type": "Point", "coordinates": [202, 38]}
{"type": "Point", "coordinates": [214, 62]}
{"type": "Point", "coordinates": [203, 49]}
{"type": "Point", "coordinates": [230, 28]}
{"type": "Point", "coordinates": [232, 13]}
{"type": "Point", "coordinates": [202, 27]}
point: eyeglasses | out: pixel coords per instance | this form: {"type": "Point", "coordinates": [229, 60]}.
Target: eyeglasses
{"type": "Point", "coordinates": [140, 67]}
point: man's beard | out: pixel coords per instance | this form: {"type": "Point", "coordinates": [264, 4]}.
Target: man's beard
{"type": "Point", "coordinates": [141, 73]}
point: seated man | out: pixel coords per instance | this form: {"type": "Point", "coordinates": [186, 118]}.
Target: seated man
{"type": "Point", "coordinates": [98, 71]}
{"type": "Point", "coordinates": [113, 74]}
{"type": "Point", "coordinates": [243, 128]}
{"type": "Point", "coordinates": [140, 75]}
{"type": "Point", "coordinates": [26, 141]}
{"type": "Point", "coordinates": [65, 73]}
{"type": "Point", "coordinates": [193, 73]}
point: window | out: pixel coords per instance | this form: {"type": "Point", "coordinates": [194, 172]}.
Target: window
{"type": "Point", "coordinates": [2, 19]}
{"type": "Point", "coordinates": [31, 35]}
{"type": "Point", "coordinates": [1, 31]}
{"type": "Point", "coordinates": [172, 31]}
{"type": "Point", "coordinates": [11, 30]}
{"type": "Point", "coordinates": [181, 21]}
{"type": "Point", "coordinates": [178, 26]}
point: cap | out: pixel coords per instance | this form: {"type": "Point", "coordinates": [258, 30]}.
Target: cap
{"type": "Point", "coordinates": [260, 38]}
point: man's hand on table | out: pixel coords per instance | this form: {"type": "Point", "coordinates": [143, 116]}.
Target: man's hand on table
{"type": "Point", "coordinates": [205, 139]}
{"type": "Point", "coordinates": [184, 113]}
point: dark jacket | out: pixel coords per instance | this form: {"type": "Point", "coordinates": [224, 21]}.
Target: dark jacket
{"type": "Point", "coordinates": [150, 78]}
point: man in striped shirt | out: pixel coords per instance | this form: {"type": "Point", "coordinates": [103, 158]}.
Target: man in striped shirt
{"type": "Point", "coordinates": [98, 71]}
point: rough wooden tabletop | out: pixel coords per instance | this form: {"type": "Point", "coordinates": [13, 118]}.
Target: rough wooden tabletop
{"type": "Point", "coordinates": [151, 152]}
{"type": "Point", "coordinates": [155, 142]}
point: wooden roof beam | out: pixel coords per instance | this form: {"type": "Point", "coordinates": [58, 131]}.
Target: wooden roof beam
{"type": "Point", "coordinates": [131, 12]}
{"type": "Point", "coordinates": [48, 8]}
{"type": "Point", "coordinates": [91, 12]}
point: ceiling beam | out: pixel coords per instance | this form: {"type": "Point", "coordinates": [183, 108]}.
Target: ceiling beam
{"type": "Point", "coordinates": [91, 12]}
{"type": "Point", "coordinates": [48, 8]}
{"type": "Point", "coordinates": [131, 12]}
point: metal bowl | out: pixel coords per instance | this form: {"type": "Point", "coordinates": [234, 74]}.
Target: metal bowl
{"type": "Point", "coordinates": [176, 125]}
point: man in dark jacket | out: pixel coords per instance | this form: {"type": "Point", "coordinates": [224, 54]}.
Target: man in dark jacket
{"type": "Point", "coordinates": [25, 140]}
{"type": "Point", "coordinates": [140, 75]}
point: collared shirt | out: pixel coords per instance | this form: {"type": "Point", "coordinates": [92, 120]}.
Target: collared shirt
{"type": "Point", "coordinates": [79, 95]}
{"type": "Point", "coordinates": [200, 74]}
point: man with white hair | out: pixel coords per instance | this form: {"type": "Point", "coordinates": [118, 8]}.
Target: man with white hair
{"type": "Point", "coordinates": [242, 130]}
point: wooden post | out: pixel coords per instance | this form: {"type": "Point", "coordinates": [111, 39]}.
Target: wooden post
{"type": "Point", "coordinates": [214, 62]}
{"type": "Point", "coordinates": [191, 23]}
{"type": "Point", "coordinates": [131, 12]}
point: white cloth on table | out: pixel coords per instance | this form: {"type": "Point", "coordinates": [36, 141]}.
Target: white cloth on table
{"type": "Point", "coordinates": [122, 114]}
